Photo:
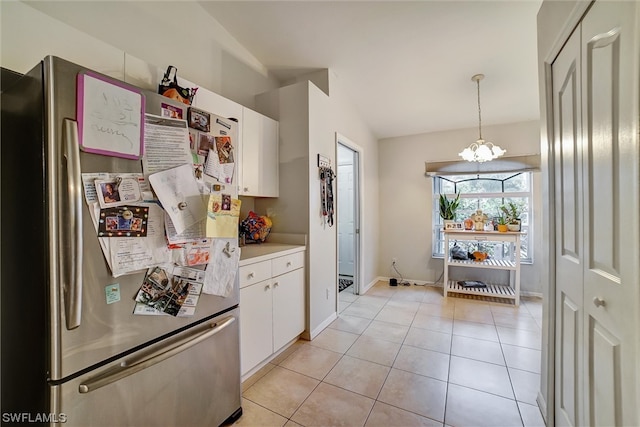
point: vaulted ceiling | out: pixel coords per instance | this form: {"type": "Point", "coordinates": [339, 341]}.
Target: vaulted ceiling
{"type": "Point", "coordinates": [405, 65]}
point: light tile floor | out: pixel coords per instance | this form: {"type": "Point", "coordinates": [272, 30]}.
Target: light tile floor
{"type": "Point", "coordinates": [406, 356]}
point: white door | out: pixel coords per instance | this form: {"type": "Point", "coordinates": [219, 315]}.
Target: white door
{"type": "Point", "coordinates": [568, 190]}
{"type": "Point", "coordinates": [610, 91]}
{"type": "Point", "coordinates": [349, 217]}
{"type": "Point", "coordinates": [596, 94]}
{"type": "Point", "coordinates": [346, 220]}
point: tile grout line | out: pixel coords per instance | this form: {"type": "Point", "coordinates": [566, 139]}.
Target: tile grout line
{"type": "Point", "coordinates": [446, 391]}
{"type": "Point", "coordinates": [388, 300]}
{"type": "Point", "coordinates": [513, 390]}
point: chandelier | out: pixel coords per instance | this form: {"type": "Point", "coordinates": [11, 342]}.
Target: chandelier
{"type": "Point", "coordinates": [481, 150]}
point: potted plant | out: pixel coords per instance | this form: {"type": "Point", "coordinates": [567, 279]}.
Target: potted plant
{"type": "Point", "coordinates": [448, 208]}
{"type": "Point", "coordinates": [512, 216]}
{"type": "Point", "coordinates": [502, 224]}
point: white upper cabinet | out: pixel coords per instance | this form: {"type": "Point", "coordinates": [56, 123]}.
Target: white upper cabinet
{"type": "Point", "coordinates": [259, 161]}
{"type": "Point", "coordinates": [214, 103]}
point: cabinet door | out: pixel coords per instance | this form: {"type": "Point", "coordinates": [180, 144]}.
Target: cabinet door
{"type": "Point", "coordinates": [256, 328]}
{"type": "Point", "coordinates": [254, 273]}
{"type": "Point", "coordinates": [288, 307]}
{"type": "Point", "coordinates": [259, 155]}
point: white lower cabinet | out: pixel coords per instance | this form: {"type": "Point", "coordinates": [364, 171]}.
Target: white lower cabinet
{"type": "Point", "coordinates": [288, 307]}
{"type": "Point", "coordinates": [256, 327]}
{"type": "Point", "coordinates": [272, 311]}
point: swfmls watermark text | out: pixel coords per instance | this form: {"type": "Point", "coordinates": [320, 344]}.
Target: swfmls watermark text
{"type": "Point", "coordinates": [38, 417]}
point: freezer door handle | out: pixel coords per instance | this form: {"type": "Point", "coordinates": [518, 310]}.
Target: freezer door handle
{"type": "Point", "coordinates": [138, 363]}
{"type": "Point", "coordinates": [71, 229]}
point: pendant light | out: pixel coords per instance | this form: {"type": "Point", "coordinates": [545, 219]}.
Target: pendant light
{"type": "Point", "coordinates": [481, 150]}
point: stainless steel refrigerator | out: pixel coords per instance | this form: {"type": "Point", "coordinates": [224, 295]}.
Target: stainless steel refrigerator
{"type": "Point", "coordinates": [67, 355]}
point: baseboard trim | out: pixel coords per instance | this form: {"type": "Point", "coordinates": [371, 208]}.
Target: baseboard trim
{"type": "Point", "coordinates": [369, 285]}
{"type": "Point", "coordinates": [530, 294]}
{"type": "Point", "coordinates": [321, 327]}
{"type": "Point", "coordinates": [412, 282]}
{"type": "Point", "coordinates": [542, 406]}
{"type": "Point", "coordinates": [440, 285]}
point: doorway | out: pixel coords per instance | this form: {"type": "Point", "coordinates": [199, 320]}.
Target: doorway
{"type": "Point", "coordinates": [348, 216]}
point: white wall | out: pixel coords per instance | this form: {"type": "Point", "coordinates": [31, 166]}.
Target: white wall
{"type": "Point", "coordinates": [158, 33]}
{"type": "Point", "coordinates": [299, 203]}
{"type": "Point", "coordinates": [348, 123]}
{"type": "Point", "coordinates": [322, 238]}
{"type": "Point", "coordinates": [27, 36]}
{"type": "Point", "coordinates": [406, 197]}
{"type": "Point", "coordinates": [290, 106]}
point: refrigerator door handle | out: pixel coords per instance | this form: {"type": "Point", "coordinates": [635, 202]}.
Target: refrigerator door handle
{"type": "Point", "coordinates": [72, 282]}
{"type": "Point", "coordinates": [145, 360]}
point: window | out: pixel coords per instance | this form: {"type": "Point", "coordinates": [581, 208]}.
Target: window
{"type": "Point", "coordinates": [487, 192]}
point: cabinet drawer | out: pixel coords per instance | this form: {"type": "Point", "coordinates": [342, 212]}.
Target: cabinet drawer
{"type": "Point", "coordinates": [254, 273]}
{"type": "Point", "coordinates": [287, 263]}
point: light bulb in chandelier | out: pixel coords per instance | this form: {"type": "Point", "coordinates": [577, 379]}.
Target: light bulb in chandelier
{"type": "Point", "coordinates": [481, 150]}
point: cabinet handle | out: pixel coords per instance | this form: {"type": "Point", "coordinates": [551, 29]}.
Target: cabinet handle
{"type": "Point", "coordinates": [288, 263]}
{"type": "Point", "coordinates": [246, 189]}
{"type": "Point", "coordinates": [250, 275]}
{"type": "Point", "coordinates": [146, 360]}
{"type": "Point", "coordinates": [275, 285]}
{"type": "Point", "coordinates": [266, 288]}
{"type": "Point", "coordinates": [598, 302]}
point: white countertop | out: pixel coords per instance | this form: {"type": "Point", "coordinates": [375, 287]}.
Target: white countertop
{"type": "Point", "coordinates": [256, 252]}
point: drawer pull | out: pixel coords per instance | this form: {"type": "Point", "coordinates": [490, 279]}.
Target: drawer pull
{"type": "Point", "coordinates": [266, 288]}
{"type": "Point", "coordinates": [288, 263]}
{"type": "Point", "coordinates": [250, 275]}
{"type": "Point", "coordinates": [275, 285]}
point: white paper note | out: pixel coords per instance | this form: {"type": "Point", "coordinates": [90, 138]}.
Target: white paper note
{"type": "Point", "coordinates": [178, 192]}
{"type": "Point", "coordinates": [197, 252]}
{"type": "Point", "coordinates": [130, 254]}
{"type": "Point", "coordinates": [193, 233]}
{"type": "Point", "coordinates": [127, 255]}
{"type": "Point", "coordinates": [221, 271]}
{"type": "Point", "coordinates": [89, 179]}
{"type": "Point", "coordinates": [166, 143]}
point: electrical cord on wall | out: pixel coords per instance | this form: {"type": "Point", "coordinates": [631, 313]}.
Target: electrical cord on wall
{"type": "Point", "coordinates": [438, 279]}
{"type": "Point", "coordinates": [402, 281]}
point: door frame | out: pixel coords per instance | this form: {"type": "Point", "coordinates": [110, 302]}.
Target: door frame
{"type": "Point", "coordinates": [358, 218]}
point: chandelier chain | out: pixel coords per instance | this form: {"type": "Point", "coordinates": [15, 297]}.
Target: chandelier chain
{"type": "Point", "coordinates": [479, 111]}
{"type": "Point", "coordinates": [481, 150]}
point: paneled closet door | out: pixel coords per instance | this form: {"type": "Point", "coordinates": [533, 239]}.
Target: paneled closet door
{"type": "Point", "coordinates": [610, 93]}
{"type": "Point", "coordinates": [568, 155]}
